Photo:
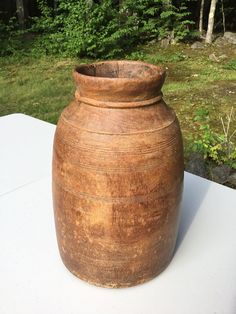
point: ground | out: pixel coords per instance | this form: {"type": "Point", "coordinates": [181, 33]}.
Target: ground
{"type": "Point", "coordinates": [42, 87]}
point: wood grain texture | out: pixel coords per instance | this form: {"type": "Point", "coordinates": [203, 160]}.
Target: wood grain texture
{"type": "Point", "coordinates": [117, 175]}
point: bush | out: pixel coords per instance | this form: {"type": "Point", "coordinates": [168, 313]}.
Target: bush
{"type": "Point", "coordinates": [218, 148]}
{"type": "Point", "coordinates": [103, 29]}
{"type": "Point", "coordinates": [175, 21]}
{"type": "Point", "coordinates": [10, 37]}
{"type": "Point", "coordinates": [95, 28]}
{"type": "Point", "coordinates": [77, 29]}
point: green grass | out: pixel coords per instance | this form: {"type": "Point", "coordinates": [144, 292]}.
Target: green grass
{"type": "Point", "coordinates": [194, 82]}
{"type": "Point", "coordinates": [42, 87]}
{"type": "Point", "coordinates": [37, 87]}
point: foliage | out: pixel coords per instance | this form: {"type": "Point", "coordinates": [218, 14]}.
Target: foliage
{"type": "Point", "coordinates": [213, 146]}
{"type": "Point", "coordinates": [10, 37]}
{"type": "Point", "coordinates": [102, 29]}
{"type": "Point", "coordinates": [176, 22]}
{"type": "Point", "coordinates": [77, 28]}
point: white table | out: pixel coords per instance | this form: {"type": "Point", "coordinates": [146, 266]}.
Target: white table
{"type": "Point", "coordinates": [201, 279]}
{"type": "Point", "coordinates": [25, 151]}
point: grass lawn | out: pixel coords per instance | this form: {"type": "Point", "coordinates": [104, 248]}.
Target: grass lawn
{"type": "Point", "coordinates": [42, 87]}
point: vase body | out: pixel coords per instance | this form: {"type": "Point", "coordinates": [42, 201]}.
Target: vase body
{"type": "Point", "coordinates": [117, 175]}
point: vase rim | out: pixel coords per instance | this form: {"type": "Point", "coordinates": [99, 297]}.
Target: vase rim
{"type": "Point", "coordinates": [154, 71]}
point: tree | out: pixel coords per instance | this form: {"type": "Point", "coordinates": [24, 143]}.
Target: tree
{"type": "Point", "coordinates": [210, 26]}
{"type": "Point", "coordinates": [201, 17]}
{"type": "Point", "coordinates": [223, 14]}
{"type": "Point", "coordinates": [22, 12]}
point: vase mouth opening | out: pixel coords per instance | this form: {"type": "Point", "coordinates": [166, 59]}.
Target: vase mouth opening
{"type": "Point", "coordinates": [122, 70]}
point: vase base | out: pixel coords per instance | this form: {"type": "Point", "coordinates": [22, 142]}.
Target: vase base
{"type": "Point", "coordinates": [116, 285]}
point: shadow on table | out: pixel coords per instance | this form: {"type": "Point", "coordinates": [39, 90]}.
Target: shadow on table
{"type": "Point", "coordinates": [195, 190]}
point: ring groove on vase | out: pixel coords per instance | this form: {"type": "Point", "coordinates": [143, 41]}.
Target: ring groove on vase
{"type": "Point", "coordinates": [136, 151]}
{"type": "Point", "coordinates": [128, 133]}
{"type": "Point", "coordinates": [120, 105]}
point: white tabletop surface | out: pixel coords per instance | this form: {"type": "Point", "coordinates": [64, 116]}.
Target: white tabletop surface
{"type": "Point", "coordinates": [201, 279]}
{"type": "Point", "coordinates": [25, 150]}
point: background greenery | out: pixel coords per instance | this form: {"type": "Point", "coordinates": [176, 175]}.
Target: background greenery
{"type": "Point", "coordinates": [101, 28]}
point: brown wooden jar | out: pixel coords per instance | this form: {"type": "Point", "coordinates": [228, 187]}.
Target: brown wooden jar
{"type": "Point", "coordinates": [117, 175]}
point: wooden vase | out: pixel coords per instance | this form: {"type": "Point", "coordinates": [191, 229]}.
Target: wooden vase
{"type": "Point", "coordinates": [117, 175]}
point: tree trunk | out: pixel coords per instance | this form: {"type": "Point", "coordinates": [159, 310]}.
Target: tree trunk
{"type": "Point", "coordinates": [201, 17]}
{"type": "Point", "coordinates": [211, 21]}
{"type": "Point", "coordinates": [20, 12]}
{"type": "Point", "coordinates": [223, 14]}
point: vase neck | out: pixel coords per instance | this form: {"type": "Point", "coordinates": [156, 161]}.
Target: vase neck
{"type": "Point", "coordinates": [119, 84]}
